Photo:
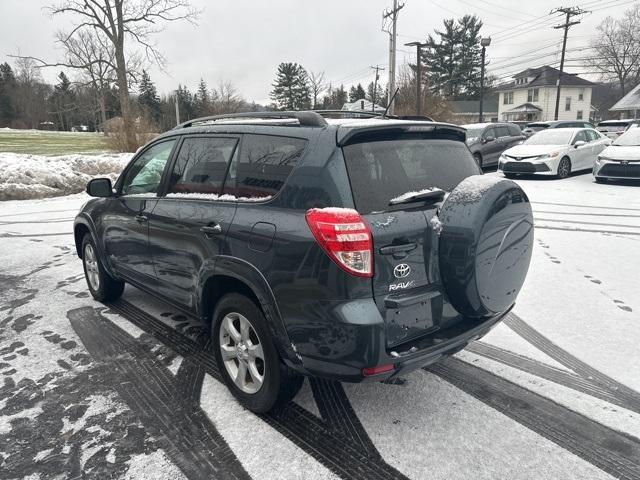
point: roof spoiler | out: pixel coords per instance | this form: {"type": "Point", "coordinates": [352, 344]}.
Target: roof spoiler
{"type": "Point", "coordinates": [354, 135]}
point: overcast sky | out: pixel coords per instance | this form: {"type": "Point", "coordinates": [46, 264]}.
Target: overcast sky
{"type": "Point", "coordinates": [243, 41]}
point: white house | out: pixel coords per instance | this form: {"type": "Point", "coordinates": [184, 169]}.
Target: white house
{"type": "Point", "coordinates": [629, 105]}
{"type": "Point", "coordinates": [531, 96]}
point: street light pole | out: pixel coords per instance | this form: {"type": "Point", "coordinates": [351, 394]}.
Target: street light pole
{"type": "Point", "coordinates": [418, 46]}
{"type": "Point", "coordinates": [485, 42]}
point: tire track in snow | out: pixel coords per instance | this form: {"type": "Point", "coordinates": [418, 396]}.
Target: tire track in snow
{"type": "Point", "coordinates": [539, 369]}
{"type": "Point", "coordinates": [330, 446]}
{"type": "Point", "coordinates": [178, 423]}
{"type": "Point", "coordinates": [627, 396]}
{"type": "Point", "coordinates": [613, 452]}
{"type": "Point", "coordinates": [599, 207]}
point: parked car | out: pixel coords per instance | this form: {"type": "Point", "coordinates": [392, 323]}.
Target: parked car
{"type": "Point", "coordinates": [80, 128]}
{"type": "Point", "coordinates": [614, 128]}
{"type": "Point", "coordinates": [538, 126]}
{"type": "Point", "coordinates": [487, 141]}
{"type": "Point", "coordinates": [312, 247]}
{"type": "Point", "coordinates": [620, 160]}
{"type": "Point", "coordinates": [557, 151]}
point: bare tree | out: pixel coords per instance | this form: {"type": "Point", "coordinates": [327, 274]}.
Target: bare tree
{"type": "Point", "coordinates": [226, 99]}
{"type": "Point", "coordinates": [31, 92]}
{"type": "Point", "coordinates": [616, 49]}
{"type": "Point", "coordinates": [318, 86]}
{"type": "Point", "coordinates": [121, 21]}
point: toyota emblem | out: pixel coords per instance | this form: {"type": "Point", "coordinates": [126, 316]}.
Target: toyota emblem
{"type": "Point", "coordinates": [402, 270]}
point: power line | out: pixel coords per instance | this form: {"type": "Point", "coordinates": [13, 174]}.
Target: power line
{"type": "Point", "coordinates": [392, 15]}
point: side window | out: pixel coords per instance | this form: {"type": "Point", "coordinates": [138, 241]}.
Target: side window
{"type": "Point", "coordinates": [514, 130]}
{"type": "Point", "coordinates": [502, 131]}
{"type": "Point", "coordinates": [490, 133]}
{"type": "Point", "coordinates": [145, 174]}
{"type": "Point", "coordinates": [580, 136]}
{"type": "Point", "coordinates": [264, 164]}
{"type": "Point", "coordinates": [592, 135]}
{"type": "Point", "coordinates": [201, 165]}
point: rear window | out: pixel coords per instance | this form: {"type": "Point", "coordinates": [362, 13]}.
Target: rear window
{"type": "Point", "coordinates": [382, 170]}
{"type": "Point", "coordinates": [264, 165]}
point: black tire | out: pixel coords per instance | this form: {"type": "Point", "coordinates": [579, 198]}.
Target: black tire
{"type": "Point", "coordinates": [280, 384]}
{"type": "Point", "coordinates": [107, 287]}
{"type": "Point", "coordinates": [478, 158]}
{"type": "Point", "coordinates": [564, 168]}
{"type": "Point", "coordinates": [601, 180]}
{"type": "Point", "coordinates": [509, 175]}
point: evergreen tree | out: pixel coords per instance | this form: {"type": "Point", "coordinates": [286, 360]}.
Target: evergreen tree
{"type": "Point", "coordinates": [453, 59]}
{"type": "Point", "coordinates": [7, 89]}
{"type": "Point", "coordinates": [335, 98]}
{"type": "Point", "coordinates": [185, 103]}
{"type": "Point", "coordinates": [148, 98]}
{"type": "Point", "coordinates": [356, 93]}
{"type": "Point", "coordinates": [291, 89]}
{"type": "Point", "coordinates": [62, 102]}
{"type": "Point", "coordinates": [202, 100]}
{"type": "Point", "coordinates": [379, 96]}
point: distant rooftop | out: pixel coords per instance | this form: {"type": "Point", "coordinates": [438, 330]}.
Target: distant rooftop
{"type": "Point", "coordinates": [544, 77]}
{"type": "Point", "coordinates": [363, 104]}
{"type": "Point", "coordinates": [631, 101]}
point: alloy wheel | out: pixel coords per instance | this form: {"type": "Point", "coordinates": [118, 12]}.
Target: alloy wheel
{"type": "Point", "coordinates": [242, 352]}
{"type": "Point", "coordinates": [564, 169]}
{"type": "Point", "coordinates": [91, 267]}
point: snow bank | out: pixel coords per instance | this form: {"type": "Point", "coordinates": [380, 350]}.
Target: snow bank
{"type": "Point", "coordinates": [34, 176]}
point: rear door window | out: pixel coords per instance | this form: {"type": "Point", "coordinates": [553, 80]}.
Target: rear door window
{"type": "Point", "coordinates": [382, 170]}
{"type": "Point", "coordinates": [201, 165]}
{"type": "Point", "coordinates": [502, 131]}
{"type": "Point", "coordinates": [263, 166]}
{"type": "Point", "coordinates": [514, 130]}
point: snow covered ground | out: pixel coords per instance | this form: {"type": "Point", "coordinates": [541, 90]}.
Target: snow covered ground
{"type": "Point", "coordinates": [127, 392]}
{"type": "Point", "coordinates": [24, 176]}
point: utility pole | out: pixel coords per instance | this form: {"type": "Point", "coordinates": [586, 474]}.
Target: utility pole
{"type": "Point", "coordinates": [377, 68]}
{"type": "Point", "coordinates": [418, 46]}
{"type": "Point", "coordinates": [485, 42]}
{"type": "Point", "coordinates": [569, 12]}
{"type": "Point", "coordinates": [177, 109]}
{"type": "Point", "coordinates": [393, 15]}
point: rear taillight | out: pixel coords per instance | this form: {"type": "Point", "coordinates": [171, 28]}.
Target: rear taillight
{"type": "Point", "coordinates": [346, 238]}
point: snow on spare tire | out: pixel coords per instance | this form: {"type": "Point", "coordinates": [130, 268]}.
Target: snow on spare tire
{"type": "Point", "coordinates": [485, 244]}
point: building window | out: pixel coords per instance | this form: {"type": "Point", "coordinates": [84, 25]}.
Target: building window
{"type": "Point", "coordinates": [507, 98]}
{"type": "Point", "coordinates": [532, 95]}
{"type": "Point", "coordinates": [567, 104]}
{"type": "Point", "coordinates": [579, 115]}
{"type": "Point", "coordinates": [581, 95]}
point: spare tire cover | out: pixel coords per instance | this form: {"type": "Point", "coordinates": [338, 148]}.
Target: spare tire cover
{"type": "Point", "coordinates": [485, 244]}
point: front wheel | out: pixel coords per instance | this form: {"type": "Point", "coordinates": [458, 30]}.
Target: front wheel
{"type": "Point", "coordinates": [478, 158]}
{"type": "Point", "coordinates": [247, 357]}
{"type": "Point", "coordinates": [564, 168]}
{"type": "Point", "coordinates": [102, 286]}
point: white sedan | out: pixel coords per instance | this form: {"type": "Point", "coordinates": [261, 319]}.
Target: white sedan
{"type": "Point", "coordinates": [621, 160]}
{"type": "Point", "coordinates": [558, 152]}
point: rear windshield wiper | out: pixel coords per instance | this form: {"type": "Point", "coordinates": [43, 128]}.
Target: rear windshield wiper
{"type": "Point", "coordinates": [435, 195]}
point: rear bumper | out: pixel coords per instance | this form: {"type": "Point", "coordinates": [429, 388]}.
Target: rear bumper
{"type": "Point", "coordinates": [410, 356]}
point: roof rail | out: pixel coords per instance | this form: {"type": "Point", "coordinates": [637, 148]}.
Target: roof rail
{"type": "Point", "coordinates": [305, 119]}
{"type": "Point", "coordinates": [349, 113]}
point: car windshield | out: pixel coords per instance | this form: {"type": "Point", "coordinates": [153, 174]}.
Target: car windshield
{"type": "Point", "coordinates": [551, 137]}
{"type": "Point", "coordinates": [383, 170]}
{"type": "Point", "coordinates": [473, 132]}
{"type": "Point", "coordinates": [614, 125]}
{"type": "Point", "coordinates": [629, 139]}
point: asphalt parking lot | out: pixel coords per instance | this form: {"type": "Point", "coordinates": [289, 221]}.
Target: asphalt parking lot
{"type": "Point", "coordinates": [128, 389]}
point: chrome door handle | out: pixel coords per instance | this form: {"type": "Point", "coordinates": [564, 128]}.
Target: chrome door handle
{"type": "Point", "coordinates": [141, 218]}
{"type": "Point", "coordinates": [211, 229]}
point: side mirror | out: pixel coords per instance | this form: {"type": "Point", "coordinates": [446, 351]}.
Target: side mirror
{"type": "Point", "coordinates": [579, 143]}
{"type": "Point", "coordinates": [100, 187]}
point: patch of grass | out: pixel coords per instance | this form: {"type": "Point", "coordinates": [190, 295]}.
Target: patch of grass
{"type": "Point", "coordinates": [51, 143]}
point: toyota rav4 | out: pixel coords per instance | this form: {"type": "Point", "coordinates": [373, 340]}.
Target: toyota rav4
{"type": "Point", "coordinates": [349, 249]}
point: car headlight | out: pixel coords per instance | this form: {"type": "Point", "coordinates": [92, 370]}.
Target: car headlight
{"type": "Point", "coordinates": [548, 155]}
{"type": "Point", "coordinates": [601, 158]}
